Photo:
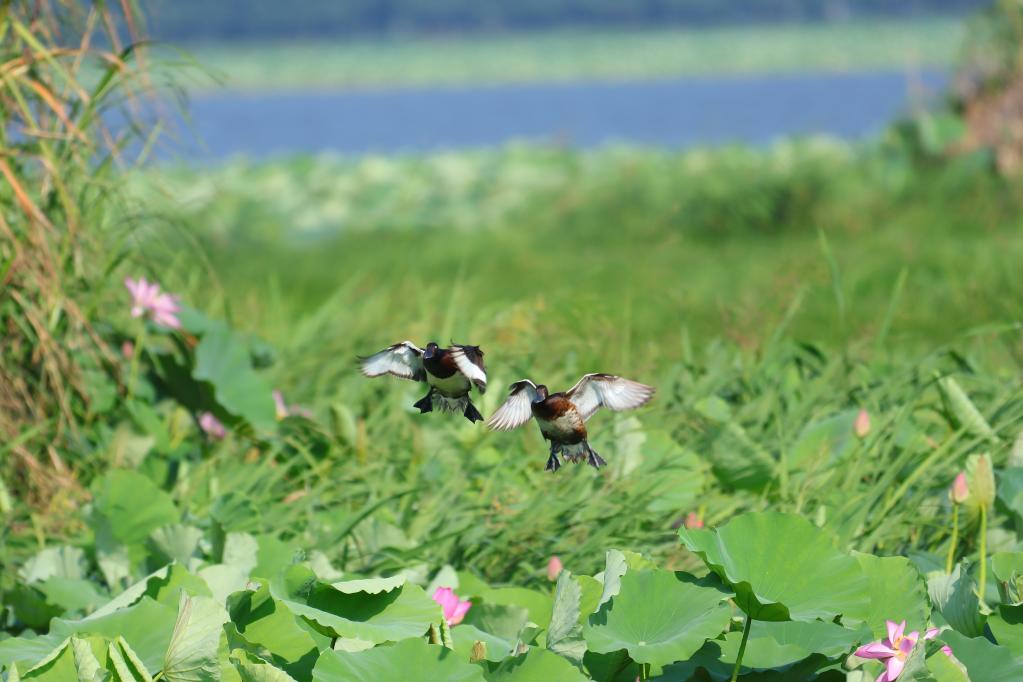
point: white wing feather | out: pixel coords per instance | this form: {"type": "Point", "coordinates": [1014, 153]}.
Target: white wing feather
{"type": "Point", "coordinates": [594, 391]}
{"type": "Point", "coordinates": [470, 369]}
{"type": "Point", "coordinates": [517, 409]}
{"type": "Point", "coordinates": [403, 360]}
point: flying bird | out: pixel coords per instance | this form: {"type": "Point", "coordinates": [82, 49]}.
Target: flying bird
{"type": "Point", "coordinates": [450, 373]}
{"type": "Point", "coordinates": [562, 416]}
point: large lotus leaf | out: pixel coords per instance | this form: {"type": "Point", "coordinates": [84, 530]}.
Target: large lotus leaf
{"type": "Point", "coordinates": [782, 567]}
{"type": "Point", "coordinates": [1007, 626]}
{"type": "Point", "coordinates": [63, 561]}
{"type": "Point", "coordinates": [71, 594]}
{"type": "Point", "coordinates": [659, 617]}
{"type": "Point", "coordinates": [167, 588]}
{"type": "Point", "coordinates": [955, 597]}
{"type": "Point", "coordinates": [564, 623]}
{"type": "Point", "coordinates": [193, 654]}
{"type": "Point", "coordinates": [30, 606]}
{"type": "Point", "coordinates": [223, 580]}
{"type": "Point", "coordinates": [983, 660]}
{"type": "Point", "coordinates": [779, 645]}
{"type": "Point", "coordinates": [128, 507]}
{"type": "Point", "coordinates": [176, 542]}
{"type": "Point", "coordinates": [536, 665]}
{"type": "Point", "coordinates": [26, 651]}
{"type": "Point", "coordinates": [411, 660]}
{"type": "Point", "coordinates": [264, 621]}
{"type": "Point", "coordinates": [223, 360]}
{"type": "Point", "coordinates": [125, 663]}
{"type": "Point", "coordinates": [369, 585]}
{"type": "Point", "coordinates": [389, 616]}
{"type": "Point", "coordinates": [897, 592]}
{"type": "Point", "coordinates": [147, 627]}
{"type": "Point", "coordinates": [1007, 570]}
{"type": "Point", "coordinates": [74, 659]}
{"type": "Point", "coordinates": [539, 605]}
{"type": "Point", "coordinates": [615, 566]}
{"type": "Point", "coordinates": [496, 625]}
{"type": "Point", "coordinates": [614, 667]}
{"type": "Point", "coordinates": [253, 669]}
{"type": "Point", "coordinates": [1010, 493]}
{"type": "Point", "coordinates": [945, 669]}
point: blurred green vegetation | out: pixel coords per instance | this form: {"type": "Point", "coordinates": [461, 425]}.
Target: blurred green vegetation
{"type": "Point", "coordinates": [575, 55]}
{"type": "Point", "coordinates": [628, 250]}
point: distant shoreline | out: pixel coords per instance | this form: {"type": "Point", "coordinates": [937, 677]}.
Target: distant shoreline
{"type": "Point", "coordinates": [561, 56]}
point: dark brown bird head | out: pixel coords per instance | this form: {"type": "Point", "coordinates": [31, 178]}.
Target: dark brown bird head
{"type": "Point", "coordinates": [431, 350]}
{"type": "Point", "coordinates": [541, 394]}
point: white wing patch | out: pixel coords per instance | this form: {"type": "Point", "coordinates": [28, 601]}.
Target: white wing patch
{"type": "Point", "coordinates": [594, 391]}
{"type": "Point", "coordinates": [469, 362]}
{"type": "Point", "coordinates": [517, 409]}
{"type": "Point", "coordinates": [403, 360]}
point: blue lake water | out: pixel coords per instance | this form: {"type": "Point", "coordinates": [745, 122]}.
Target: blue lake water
{"type": "Point", "coordinates": [673, 113]}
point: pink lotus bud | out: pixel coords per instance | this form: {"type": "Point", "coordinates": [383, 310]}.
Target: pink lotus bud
{"type": "Point", "coordinates": [454, 608]}
{"type": "Point", "coordinates": [960, 491]}
{"type": "Point", "coordinates": [554, 568]}
{"type": "Point", "coordinates": [127, 350]}
{"type": "Point", "coordinates": [693, 520]}
{"type": "Point", "coordinates": [861, 427]}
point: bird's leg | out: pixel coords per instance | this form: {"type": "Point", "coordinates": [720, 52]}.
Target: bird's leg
{"type": "Point", "coordinates": [593, 459]}
{"type": "Point", "coordinates": [553, 463]}
{"type": "Point", "coordinates": [471, 413]}
{"type": "Point", "coordinates": [425, 404]}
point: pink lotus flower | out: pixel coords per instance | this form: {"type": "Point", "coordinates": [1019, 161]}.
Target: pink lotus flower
{"type": "Point", "coordinates": [960, 490]}
{"type": "Point", "coordinates": [147, 299]}
{"type": "Point", "coordinates": [896, 648]}
{"type": "Point", "coordinates": [554, 568]}
{"type": "Point", "coordinates": [212, 426]}
{"type": "Point", "coordinates": [454, 609]}
{"type": "Point", "coordinates": [693, 520]}
{"type": "Point", "coordinates": [931, 633]}
{"type": "Point", "coordinates": [861, 427]}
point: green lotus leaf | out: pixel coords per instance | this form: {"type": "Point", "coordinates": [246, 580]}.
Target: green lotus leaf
{"type": "Point", "coordinates": [897, 592]}
{"type": "Point", "coordinates": [536, 665]}
{"type": "Point", "coordinates": [411, 660]}
{"type": "Point", "coordinates": [193, 654]}
{"type": "Point", "coordinates": [253, 669]}
{"type": "Point", "coordinates": [984, 660]}
{"type": "Point", "coordinates": [265, 623]}
{"type": "Point", "coordinates": [659, 617]}
{"type": "Point", "coordinates": [390, 616]}
{"type": "Point", "coordinates": [127, 666]}
{"type": "Point", "coordinates": [223, 360]}
{"type": "Point", "coordinates": [955, 597]}
{"type": "Point", "coordinates": [71, 594]}
{"type": "Point", "coordinates": [1007, 626]}
{"type": "Point", "coordinates": [782, 567]}
{"type": "Point", "coordinates": [73, 659]}
{"type": "Point", "coordinates": [775, 645]}
{"type": "Point", "coordinates": [146, 626]}
{"type": "Point", "coordinates": [496, 625]}
{"type": "Point", "coordinates": [64, 561]}
{"type": "Point", "coordinates": [539, 605]}
{"type": "Point", "coordinates": [369, 585]}
{"type": "Point", "coordinates": [128, 507]}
